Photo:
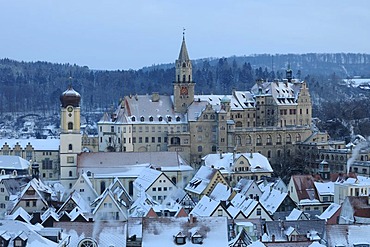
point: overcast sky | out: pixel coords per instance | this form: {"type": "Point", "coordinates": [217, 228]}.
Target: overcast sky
{"type": "Point", "coordinates": [120, 34]}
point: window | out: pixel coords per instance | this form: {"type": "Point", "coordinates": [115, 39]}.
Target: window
{"type": "Point", "coordinates": [87, 242]}
{"type": "Point", "coordinates": [150, 119]}
{"type": "Point", "coordinates": [288, 139]}
{"type": "Point", "coordinates": [200, 149]}
{"type": "Point", "coordinates": [70, 126]}
{"type": "Point", "coordinates": [259, 140]}
{"type": "Point", "coordinates": [219, 212]}
{"type": "Point", "coordinates": [70, 159]}
{"type": "Point", "coordinates": [18, 243]}
{"type": "Point", "coordinates": [34, 203]}
{"type": "Point", "coordinates": [258, 211]}
{"type": "Point", "coordinates": [269, 140]}
{"type": "Point", "coordinates": [70, 147]}
{"type": "Point", "coordinates": [141, 119]}
{"type": "Point", "coordinates": [70, 173]}
{"type": "Point", "coordinates": [27, 204]}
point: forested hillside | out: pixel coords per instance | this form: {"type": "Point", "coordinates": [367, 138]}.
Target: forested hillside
{"type": "Point", "coordinates": [36, 86]}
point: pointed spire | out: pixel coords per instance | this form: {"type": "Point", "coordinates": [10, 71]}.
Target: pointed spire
{"type": "Point", "coordinates": [183, 56]}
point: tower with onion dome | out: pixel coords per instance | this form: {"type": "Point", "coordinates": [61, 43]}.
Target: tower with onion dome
{"type": "Point", "coordinates": [70, 136]}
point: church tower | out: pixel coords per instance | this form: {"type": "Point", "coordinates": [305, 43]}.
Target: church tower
{"type": "Point", "coordinates": [70, 136]}
{"type": "Point", "coordinates": [183, 87]}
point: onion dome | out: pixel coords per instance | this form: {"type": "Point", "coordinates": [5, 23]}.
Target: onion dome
{"type": "Point", "coordinates": [225, 99]}
{"type": "Point", "coordinates": [70, 97]}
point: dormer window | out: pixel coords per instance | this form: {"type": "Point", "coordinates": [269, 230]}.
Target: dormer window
{"type": "Point", "coordinates": [197, 238]}
{"type": "Point", "coordinates": [180, 238]}
{"type": "Point", "coordinates": [150, 119]}
{"type": "Point", "coordinates": [177, 119]}
{"type": "Point", "coordinates": [160, 119]}
{"type": "Point", "coordinates": [133, 119]}
{"type": "Point", "coordinates": [169, 118]}
{"type": "Point", "coordinates": [141, 119]}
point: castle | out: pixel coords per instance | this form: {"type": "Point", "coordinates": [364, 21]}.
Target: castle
{"type": "Point", "coordinates": [270, 119]}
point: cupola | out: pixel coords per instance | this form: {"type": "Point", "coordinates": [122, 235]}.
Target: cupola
{"type": "Point", "coordinates": [70, 97]}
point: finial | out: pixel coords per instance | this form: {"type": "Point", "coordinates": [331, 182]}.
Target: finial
{"type": "Point", "coordinates": [183, 33]}
{"type": "Point", "coordinates": [70, 79]}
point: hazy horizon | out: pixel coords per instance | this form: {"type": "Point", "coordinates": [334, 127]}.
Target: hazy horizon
{"type": "Point", "coordinates": [118, 34]}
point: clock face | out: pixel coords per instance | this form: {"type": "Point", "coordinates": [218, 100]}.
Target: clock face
{"type": "Point", "coordinates": [69, 108]}
{"type": "Point", "coordinates": [184, 91]}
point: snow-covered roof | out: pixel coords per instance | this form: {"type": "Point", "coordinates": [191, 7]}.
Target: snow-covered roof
{"type": "Point", "coordinates": [37, 144]}
{"type": "Point", "coordinates": [201, 180]}
{"type": "Point", "coordinates": [347, 235]}
{"type": "Point", "coordinates": [13, 162]}
{"type": "Point", "coordinates": [221, 192]}
{"type": "Point", "coordinates": [330, 211]}
{"type": "Point", "coordinates": [213, 231]}
{"type": "Point", "coordinates": [272, 199]}
{"type": "Point", "coordinates": [294, 215]}
{"type": "Point", "coordinates": [20, 212]}
{"type": "Point", "coordinates": [105, 233]}
{"type": "Point", "coordinates": [130, 164]}
{"type": "Point", "coordinates": [146, 178]}
{"type": "Point", "coordinates": [205, 207]}
{"type": "Point", "coordinates": [257, 162]}
{"type": "Point", "coordinates": [26, 231]}
{"type": "Point", "coordinates": [326, 188]}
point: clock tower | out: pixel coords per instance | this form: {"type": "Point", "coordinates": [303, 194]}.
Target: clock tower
{"type": "Point", "coordinates": [70, 136]}
{"type": "Point", "coordinates": [183, 87]}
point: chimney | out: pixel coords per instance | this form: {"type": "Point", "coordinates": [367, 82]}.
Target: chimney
{"type": "Point", "coordinates": [155, 97]}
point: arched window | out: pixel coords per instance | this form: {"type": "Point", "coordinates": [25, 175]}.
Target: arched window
{"type": "Point", "coordinates": [269, 154]}
{"type": "Point", "coordinates": [238, 124]}
{"type": "Point", "coordinates": [259, 140]}
{"type": "Point", "coordinates": [248, 139]}
{"type": "Point", "coordinates": [70, 126]}
{"type": "Point", "coordinates": [87, 242]}
{"type": "Point", "coordinates": [70, 173]}
{"type": "Point", "coordinates": [70, 147]}
{"type": "Point", "coordinates": [298, 138]}
{"type": "Point", "coordinates": [278, 139]}
{"type": "Point", "coordinates": [102, 187]}
{"type": "Point", "coordinates": [175, 141]}
{"type": "Point", "coordinates": [269, 140]}
{"type": "Point", "coordinates": [200, 148]}
{"type": "Point", "coordinates": [238, 140]}
{"type": "Point", "coordinates": [288, 138]}
{"type": "Point", "coordinates": [183, 78]}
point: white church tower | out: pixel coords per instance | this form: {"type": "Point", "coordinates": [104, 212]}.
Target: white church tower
{"type": "Point", "coordinates": [70, 136]}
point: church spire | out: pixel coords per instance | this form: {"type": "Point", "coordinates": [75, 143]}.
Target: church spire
{"type": "Point", "coordinates": [183, 56]}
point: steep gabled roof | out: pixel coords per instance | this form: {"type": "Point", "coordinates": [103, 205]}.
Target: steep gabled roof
{"type": "Point", "coordinates": [305, 187]}
{"type": "Point", "coordinates": [201, 180]}
{"type": "Point", "coordinates": [272, 199]}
